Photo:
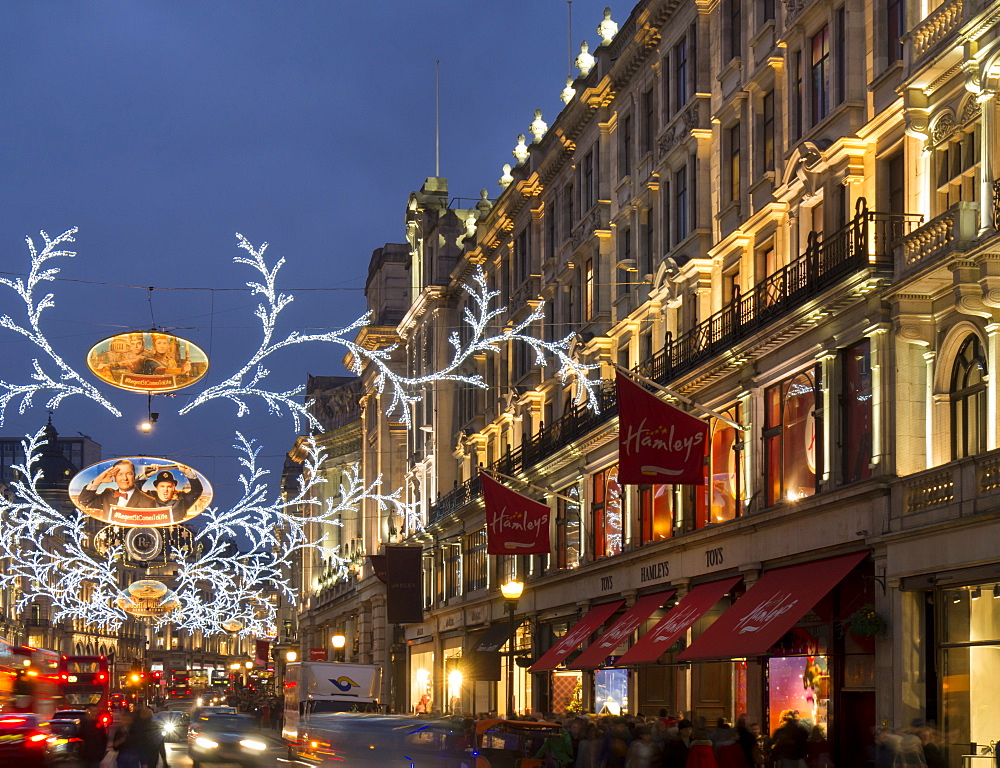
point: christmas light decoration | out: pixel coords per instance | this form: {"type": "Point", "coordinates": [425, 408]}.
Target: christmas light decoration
{"type": "Point", "coordinates": [247, 381]}
{"type": "Point", "coordinates": [67, 382]}
{"type": "Point", "coordinates": [223, 574]}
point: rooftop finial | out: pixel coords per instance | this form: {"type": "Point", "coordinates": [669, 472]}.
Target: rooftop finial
{"type": "Point", "coordinates": [506, 179]}
{"type": "Point", "coordinates": [538, 127]}
{"type": "Point", "coordinates": [607, 29]}
{"type": "Point", "coordinates": [520, 152]}
{"type": "Point", "coordinates": [568, 92]}
{"type": "Point", "coordinates": [585, 61]}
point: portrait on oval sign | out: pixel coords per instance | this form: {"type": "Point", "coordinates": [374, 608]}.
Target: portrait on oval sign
{"type": "Point", "coordinates": [140, 492]}
{"type": "Point", "coordinates": [147, 597]}
{"type": "Point", "coordinates": [147, 361]}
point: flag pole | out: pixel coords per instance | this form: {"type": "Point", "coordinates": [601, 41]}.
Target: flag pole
{"type": "Point", "coordinates": [494, 474]}
{"type": "Point", "coordinates": [678, 395]}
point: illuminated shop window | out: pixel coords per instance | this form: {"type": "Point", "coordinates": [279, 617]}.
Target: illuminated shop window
{"type": "Point", "coordinates": [791, 432]}
{"type": "Point", "coordinates": [607, 513]}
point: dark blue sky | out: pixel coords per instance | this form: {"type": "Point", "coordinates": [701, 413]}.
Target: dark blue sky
{"type": "Point", "coordinates": [162, 128]}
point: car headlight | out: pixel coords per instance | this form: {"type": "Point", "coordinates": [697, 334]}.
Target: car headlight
{"type": "Point", "coordinates": [257, 746]}
{"type": "Point", "coordinates": [169, 727]}
{"type": "Point", "coordinates": [204, 743]}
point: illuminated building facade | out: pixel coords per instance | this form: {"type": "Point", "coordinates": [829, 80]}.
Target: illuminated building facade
{"type": "Point", "coordinates": [786, 212]}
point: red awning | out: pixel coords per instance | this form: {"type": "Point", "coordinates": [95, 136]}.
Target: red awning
{"type": "Point", "coordinates": [616, 634]}
{"type": "Point", "coordinates": [770, 608]}
{"type": "Point", "coordinates": [691, 608]}
{"type": "Point", "coordinates": [583, 629]}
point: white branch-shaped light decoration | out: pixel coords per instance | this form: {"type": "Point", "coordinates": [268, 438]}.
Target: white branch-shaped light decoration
{"type": "Point", "coordinates": [405, 391]}
{"type": "Point", "coordinates": [238, 557]}
{"type": "Point", "coordinates": [67, 382]}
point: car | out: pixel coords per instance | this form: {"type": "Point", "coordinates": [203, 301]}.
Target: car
{"type": "Point", "coordinates": [200, 713]}
{"type": "Point", "coordinates": [232, 738]}
{"type": "Point", "coordinates": [63, 745]}
{"type": "Point", "coordinates": [23, 739]}
{"type": "Point", "coordinates": [69, 714]}
{"type": "Point", "coordinates": [173, 724]}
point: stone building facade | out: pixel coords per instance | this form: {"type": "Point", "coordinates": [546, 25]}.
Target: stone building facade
{"type": "Point", "coordinates": [786, 212]}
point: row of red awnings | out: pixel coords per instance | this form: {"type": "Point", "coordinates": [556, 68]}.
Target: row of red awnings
{"type": "Point", "coordinates": [750, 627]}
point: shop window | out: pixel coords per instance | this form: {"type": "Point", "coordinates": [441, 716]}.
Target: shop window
{"type": "Point", "coordinates": [611, 691]}
{"type": "Point", "coordinates": [716, 501]}
{"type": "Point", "coordinates": [968, 400]}
{"type": "Point", "coordinates": [568, 530]}
{"type": "Point", "coordinates": [957, 163]}
{"type": "Point", "coordinates": [607, 510]}
{"type": "Point", "coordinates": [856, 439]}
{"type": "Point", "coordinates": [799, 691]}
{"type": "Point", "coordinates": [656, 513]}
{"type": "Point", "coordinates": [970, 666]}
{"type": "Point", "coordinates": [791, 437]}
{"type": "Point", "coordinates": [475, 561]}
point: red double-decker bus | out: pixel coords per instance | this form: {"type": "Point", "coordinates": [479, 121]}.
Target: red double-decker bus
{"type": "Point", "coordinates": [85, 680]}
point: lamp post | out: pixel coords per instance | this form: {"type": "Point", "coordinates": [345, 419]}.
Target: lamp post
{"type": "Point", "coordinates": [339, 640]}
{"type": "Point", "coordinates": [511, 592]}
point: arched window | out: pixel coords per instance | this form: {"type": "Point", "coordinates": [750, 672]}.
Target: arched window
{"type": "Point", "coordinates": [968, 400]}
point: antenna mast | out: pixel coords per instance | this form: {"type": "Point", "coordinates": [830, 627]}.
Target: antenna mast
{"type": "Point", "coordinates": [437, 117]}
{"type": "Point", "coordinates": [569, 38]}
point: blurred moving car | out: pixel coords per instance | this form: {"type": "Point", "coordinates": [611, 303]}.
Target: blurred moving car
{"type": "Point", "coordinates": [511, 743]}
{"type": "Point", "coordinates": [68, 714]}
{"type": "Point", "coordinates": [23, 740]}
{"type": "Point", "coordinates": [173, 724]}
{"type": "Point", "coordinates": [231, 738]}
{"type": "Point", "coordinates": [63, 745]}
{"type": "Point", "coordinates": [383, 741]}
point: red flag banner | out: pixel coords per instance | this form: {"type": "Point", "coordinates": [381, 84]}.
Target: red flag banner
{"type": "Point", "coordinates": [657, 443]}
{"type": "Point", "coordinates": [260, 653]}
{"type": "Point", "coordinates": [515, 524]}
{"type": "Point", "coordinates": [403, 600]}
{"type": "Point", "coordinates": [317, 654]}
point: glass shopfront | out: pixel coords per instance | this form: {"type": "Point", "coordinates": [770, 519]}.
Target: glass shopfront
{"type": "Point", "coordinates": [611, 691]}
{"type": "Point", "coordinates": [422, 681]}
{"type": "Point", "coordinates": [969, 668]}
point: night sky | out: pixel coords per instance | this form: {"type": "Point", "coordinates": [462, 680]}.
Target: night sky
{"type": "Point", "coordinates": [162, 128]}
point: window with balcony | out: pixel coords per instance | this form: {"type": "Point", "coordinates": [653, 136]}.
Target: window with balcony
{"type": "Point", "coordinates": [820, 75]}
{"type": "Point", "coordinates": [453, 569]}
{"type": "Point", "coordinates": [569, 533]}
{"type": "Point", "coordinates": [968, 400]}
{"type": "Point", "coordinates": [791, 437]}
{"type": "Point", "coordinates": [856, 438]}
{"type": "Point", "coordinates": [656, 513]}
{"type": "Point", "coordinates": [475, 570]}
{"type": "Point", "coordinates": [607, 511]}
{"type": "Point", "coordinates": [766, 10]}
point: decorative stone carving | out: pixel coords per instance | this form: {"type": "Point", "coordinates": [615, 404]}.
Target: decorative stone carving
{"type": "Point", "coordinates": [943, 128]}
{"type": "Point", "coordinates": [917, 123]}
{"type": "Point", "coordinates": [971, 109]}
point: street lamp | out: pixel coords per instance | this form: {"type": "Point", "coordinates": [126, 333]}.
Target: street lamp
{"type": "Point", "coordinates": [511, 592]}
{"type": "Point", "coordinates": [291, 656]}
{"type": "Point", "coordinates": [339, 641]}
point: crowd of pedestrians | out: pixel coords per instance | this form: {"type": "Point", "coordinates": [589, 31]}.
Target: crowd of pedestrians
{"type": "Point", "coordinates": [134, 741]}
{"type": "Point", "coordinates": [664, 741]}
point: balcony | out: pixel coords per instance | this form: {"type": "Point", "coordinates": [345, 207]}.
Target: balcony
{"type": "Point", "coordinates": [864, 244]}
{"type": "Point", "coordinates": [940, 25]}
{"type": "Point", "coordinates": [954, 491]}
{"type": "Point", "coordinates": [953, 230]}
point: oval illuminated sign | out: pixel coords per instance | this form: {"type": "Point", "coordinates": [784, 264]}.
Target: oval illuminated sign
{"type": "Point", "coordinates": [140, 492]}
{"type": "Point", "coordinates": [147, 597]}
{"type": "Point", "coordinates": [232, 625]}
{"type": "Point", "coordinates": [147, 361]}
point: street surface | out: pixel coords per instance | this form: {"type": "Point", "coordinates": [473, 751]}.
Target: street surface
{"type": "Point", "coordinates": [177, 757]}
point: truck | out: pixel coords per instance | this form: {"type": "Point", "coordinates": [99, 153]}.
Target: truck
{"type": "Point", "coordinates": [324, 687]}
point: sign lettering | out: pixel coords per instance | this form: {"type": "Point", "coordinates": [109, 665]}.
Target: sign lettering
{"type": "Point", "coordinates": [654, 571]}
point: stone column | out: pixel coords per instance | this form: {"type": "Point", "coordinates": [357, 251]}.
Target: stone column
{"type": "Point", "coordinates": [878, 336]}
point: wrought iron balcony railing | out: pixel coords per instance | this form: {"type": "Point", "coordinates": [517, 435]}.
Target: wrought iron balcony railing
{"type": "Point", "coordinates": [866, 243]}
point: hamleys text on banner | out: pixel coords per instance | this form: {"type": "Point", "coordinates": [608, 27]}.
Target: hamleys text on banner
{"type": "Point", "coordinates": [515, 524]}
{"type": "Point", "coordinates": [657, 443]}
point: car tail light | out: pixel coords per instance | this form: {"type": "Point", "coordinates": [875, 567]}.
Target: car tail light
{"type": "Point", "coordinates": [104, 719]}
{"type": "Point", "coordinates": [37, 738]}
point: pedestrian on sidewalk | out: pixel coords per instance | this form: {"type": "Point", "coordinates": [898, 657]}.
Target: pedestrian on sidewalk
{"type": "Point", "coordinates": [93, 737]}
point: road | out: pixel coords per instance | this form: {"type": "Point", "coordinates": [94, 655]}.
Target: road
{"type": "Point", "coordinates": [177, 757]}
